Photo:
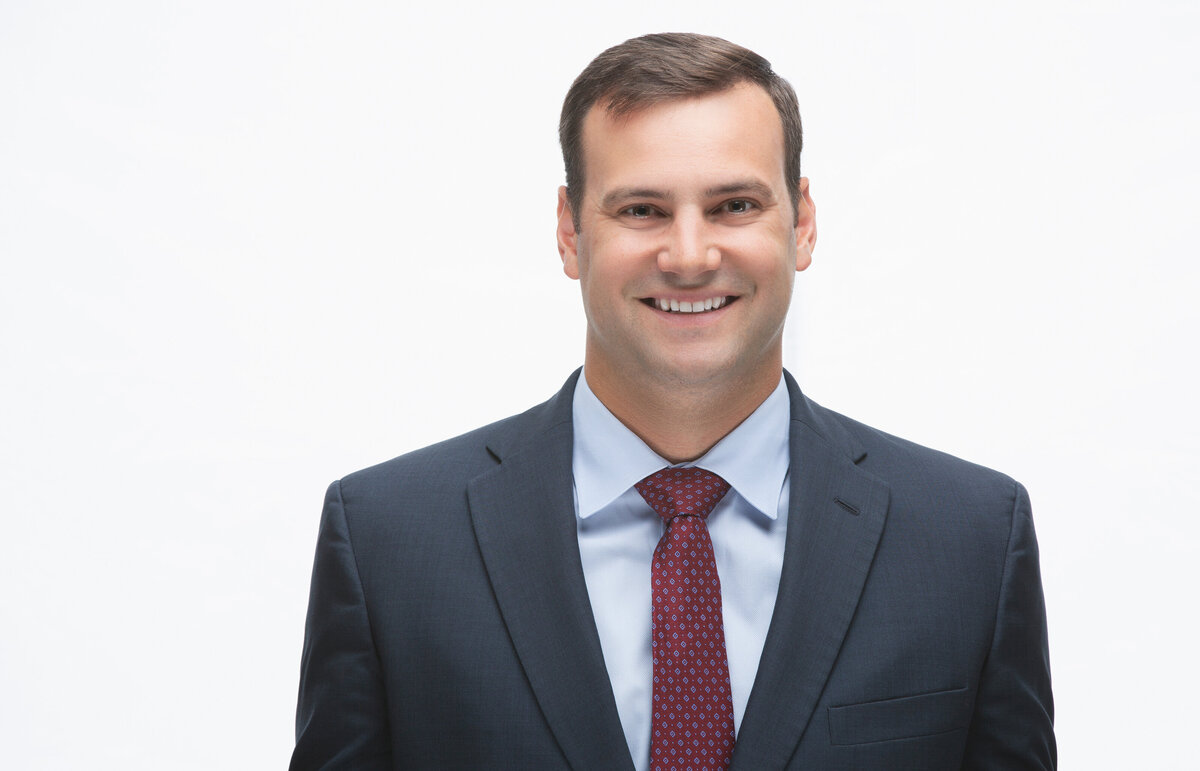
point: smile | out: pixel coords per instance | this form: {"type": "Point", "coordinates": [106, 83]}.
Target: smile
{"type": "Point", "coordinates": [686, 306]}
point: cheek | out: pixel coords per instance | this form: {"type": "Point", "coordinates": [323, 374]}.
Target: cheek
{"type": "Point", "coordinates": [624, 245]}
{"type": "Point", "coordinates": [766, 252]}
{"type": "Point", "coordinates": [610, 264]}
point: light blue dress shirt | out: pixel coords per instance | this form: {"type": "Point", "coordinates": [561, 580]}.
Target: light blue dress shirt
{"type": "Point", "coordinates": [618, 532]}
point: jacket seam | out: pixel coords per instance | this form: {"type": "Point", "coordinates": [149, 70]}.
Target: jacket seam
{"type": "Point", "coordinates": [358, 579]}
{"type": "Point", "coordinates": [1012, 528]}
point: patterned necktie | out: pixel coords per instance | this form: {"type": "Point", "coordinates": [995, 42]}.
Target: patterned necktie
{"type": "Point", "coordinates": [692, 725]}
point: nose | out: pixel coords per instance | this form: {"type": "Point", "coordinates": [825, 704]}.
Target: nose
{"type": "Point", "coordinates": [689, 249]}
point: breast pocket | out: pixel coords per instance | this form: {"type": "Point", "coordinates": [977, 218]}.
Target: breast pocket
{"type": "Point", "coordinates": [908, 717]}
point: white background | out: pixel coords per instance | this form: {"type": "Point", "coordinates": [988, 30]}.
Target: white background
{"type": "Point", "coordinates": [249, 247]}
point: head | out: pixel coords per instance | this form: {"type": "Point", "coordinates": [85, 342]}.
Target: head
{"type": "Point", "coordinates": [653, 69]}
{"type": "Point", "coordinates": [685, 219]}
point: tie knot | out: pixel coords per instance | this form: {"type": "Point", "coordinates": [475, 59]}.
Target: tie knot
{"type": "Point", "coordinates": [688, 491]}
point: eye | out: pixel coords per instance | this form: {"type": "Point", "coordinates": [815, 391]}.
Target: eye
{"type": "Point", "coordinates": [738, 206]}
{"type": "Point", "coordinates": [639, 211]}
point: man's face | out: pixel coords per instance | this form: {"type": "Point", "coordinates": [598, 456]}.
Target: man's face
{"type": "Point", "coordinates": [686, 204]}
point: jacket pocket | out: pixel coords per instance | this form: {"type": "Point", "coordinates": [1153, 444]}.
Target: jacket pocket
{"type": "Point", "coordinates": [908, 717]}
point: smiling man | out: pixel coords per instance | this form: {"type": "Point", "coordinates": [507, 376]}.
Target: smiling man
{"type": "Point", "coordinates": [686, 266]}
{"type": "Point", "coordinates": [679, 561]}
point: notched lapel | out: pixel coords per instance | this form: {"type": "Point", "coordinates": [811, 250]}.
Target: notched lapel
{"type": "Point", "coordinates": [836, 515]}
{"type": "Point", "coordinates": [523, 514]}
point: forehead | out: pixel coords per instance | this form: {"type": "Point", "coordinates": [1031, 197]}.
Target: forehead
{"type": "Point", "coordinates": [732, 132]}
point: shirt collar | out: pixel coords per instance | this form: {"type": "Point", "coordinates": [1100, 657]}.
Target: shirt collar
{"type": "Point", "coordinates": [609, 459]}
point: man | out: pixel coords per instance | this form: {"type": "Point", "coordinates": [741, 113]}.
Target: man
{"type": "Point", "coordinates": [679, 561]}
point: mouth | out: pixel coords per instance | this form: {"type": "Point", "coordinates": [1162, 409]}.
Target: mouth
{"type": "Point", "coordinates": [671, 305]}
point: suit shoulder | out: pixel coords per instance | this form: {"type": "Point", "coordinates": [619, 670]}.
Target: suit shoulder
{"type": "Point", "coordinates": [907, 466]}
{"type": "Point", "coordinates": [451, 463]}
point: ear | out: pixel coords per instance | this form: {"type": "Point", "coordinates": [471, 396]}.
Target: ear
{"type": "Point", "coordinates": [806, 226]}
{"type": "Point", "coordinates": [567, 237]}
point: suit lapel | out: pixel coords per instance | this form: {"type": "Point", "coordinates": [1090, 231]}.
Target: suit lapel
{"type": "Point", "coordinates": [836, 514]}
{"type": "Point", "coordinates": [523, 514]}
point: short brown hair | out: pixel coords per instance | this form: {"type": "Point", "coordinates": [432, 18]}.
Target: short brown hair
{"type": "Point", "coordinates": [651, 69]}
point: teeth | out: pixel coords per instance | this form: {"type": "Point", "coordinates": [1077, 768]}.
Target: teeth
{"type": "Point", "coordinates": [697, 306]}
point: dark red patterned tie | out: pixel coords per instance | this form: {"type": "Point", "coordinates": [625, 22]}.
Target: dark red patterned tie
{"type": "Point", "coordinates": [692, 725]}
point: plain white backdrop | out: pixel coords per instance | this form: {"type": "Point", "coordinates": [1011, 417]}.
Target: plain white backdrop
{"type": "Point", "coordinates": [248, 247]}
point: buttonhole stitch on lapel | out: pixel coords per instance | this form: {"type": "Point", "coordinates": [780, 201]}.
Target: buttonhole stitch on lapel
{"type": "Point", "coordinates": [852, 509]}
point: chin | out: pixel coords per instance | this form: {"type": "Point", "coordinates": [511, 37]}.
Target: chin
{"type": "Point", "coordinates": [708, 371]}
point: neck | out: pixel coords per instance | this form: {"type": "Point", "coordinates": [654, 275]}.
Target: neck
{"type": "Point", "coordinates": [681, 421]}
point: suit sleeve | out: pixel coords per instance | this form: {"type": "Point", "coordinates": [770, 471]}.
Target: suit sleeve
{"type": "Point", "coordinates": [341, 715]}
{"type": "Point", "coordinates": [1013, 724]}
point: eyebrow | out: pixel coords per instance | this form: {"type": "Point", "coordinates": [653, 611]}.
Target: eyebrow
{"type": "Point", "coordinates": [751, 186]}
{"type": "Point", "coordinates": [625, 193]}
{"type": "Point", "coordinates": [745, 186]}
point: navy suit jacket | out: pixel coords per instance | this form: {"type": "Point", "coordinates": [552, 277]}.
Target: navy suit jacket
{"type": "Point", "coordinates": [449, 624]}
